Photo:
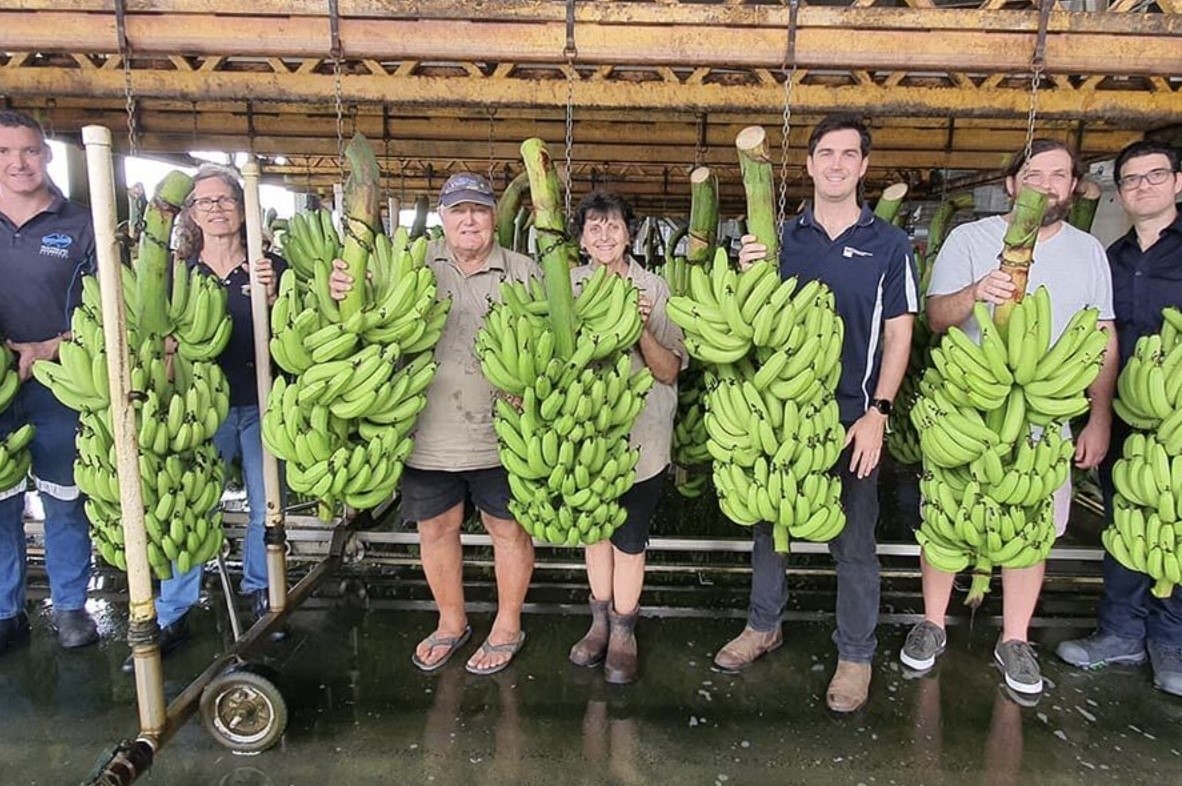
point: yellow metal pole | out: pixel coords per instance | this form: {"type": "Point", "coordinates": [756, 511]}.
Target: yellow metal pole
{"type": "Point", "coordinates": [142, 631]}
{"type": "Point", "coordinates": [276, 559]}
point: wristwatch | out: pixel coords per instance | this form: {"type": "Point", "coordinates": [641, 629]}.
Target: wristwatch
{"type": "Point", "coordinates": [883, 405]}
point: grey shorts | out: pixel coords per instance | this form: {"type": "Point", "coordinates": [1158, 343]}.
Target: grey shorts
{"type": "Point", "coordinates": [428, 493]}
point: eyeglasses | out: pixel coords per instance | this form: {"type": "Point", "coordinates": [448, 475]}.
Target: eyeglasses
{"type": "Point", "coordinates": [205, 204]}
{"type": "Point", "coordinates": [1154, 177]}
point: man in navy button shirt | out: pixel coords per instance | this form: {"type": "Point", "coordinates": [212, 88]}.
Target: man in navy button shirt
{"type": "Point", "coordinates": [1146, 278]}
{"type": "Point", "coordinates": [46, 246]}
{"type": "Point", "coordinates": [868, 265]}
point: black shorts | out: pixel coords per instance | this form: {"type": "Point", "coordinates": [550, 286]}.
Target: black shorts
{"type": "Point", "coordinates": [427, 493]}
{"type": "Point", "coordinates": [640, 501]}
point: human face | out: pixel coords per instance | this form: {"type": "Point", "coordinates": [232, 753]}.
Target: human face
{"type": "Point", "coordinates": [215, 208]}
{"type": "Point", "coordinates": [837, 165]}
{"type": "Point", "coordinates": [1050, 173]}
{"type": "Point", "coordinates": [24, 161]}
{"type": "Point", "coordinates": [468, 229]}
{"type": "Point", "coordinates": [605, 237]}
{"type": "Point", "coordinates": [1145, 200]}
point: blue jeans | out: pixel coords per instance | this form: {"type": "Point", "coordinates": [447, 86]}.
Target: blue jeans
{"type": "Point", "coordinates": [857, 571]}
{"type": "Point", "coordinates": [238, 436]}
{"type": "Point", "coordinates": [67, 535]}
{"type": "Point", "coordinates": [1127, 608]}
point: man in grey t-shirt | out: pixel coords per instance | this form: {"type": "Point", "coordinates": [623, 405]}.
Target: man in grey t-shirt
{"type": "Point", "coordinates": [1074, 269]}
{"type": "Point", "coordinates": [455, 455]}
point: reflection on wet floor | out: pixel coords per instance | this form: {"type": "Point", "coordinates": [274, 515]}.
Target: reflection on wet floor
{"type": "Point", "coordinates": [361, 714]}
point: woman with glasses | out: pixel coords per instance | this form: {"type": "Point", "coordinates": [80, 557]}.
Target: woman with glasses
{"type": "Point", "coordinates": [212, 241]}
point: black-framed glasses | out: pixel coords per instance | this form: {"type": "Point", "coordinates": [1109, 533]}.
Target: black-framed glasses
{"type": "Point", "coordinates": [1154, 177]}
{"type": "Point", "coordinates": [206, 204]}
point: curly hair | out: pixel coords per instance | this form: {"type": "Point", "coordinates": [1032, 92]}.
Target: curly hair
{"type": "Point", "coordinates": [189, 238]}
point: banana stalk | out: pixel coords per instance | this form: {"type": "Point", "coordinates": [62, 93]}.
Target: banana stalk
{"type": "Point", "coordinates": [756, 167]}
{"type": "Point", "coordinates": [552, 243]}
{"type": "Point", "coordinates": [153, 259]}
{"type": "Point", "coordinates": [891, 200]}
{"type": "Point", "coordinates": [1017, 254]}
{"type": "Point", "coordinates": [361, 218]}
{"type": "Point", "coordinates": [508, 207]}
{"type": "Point", "coordinates": [1083, 210]}
{"type": "Point", "coordinates": [521, 224]}
{"type": "Point", "coordinates": [418, 227]}
{"type": "Point", "coordinates": [703, 223]}
{"type": "Point", "coordinates": [674, 239]}
{"type": "Point", "coordinates": [937, 231]}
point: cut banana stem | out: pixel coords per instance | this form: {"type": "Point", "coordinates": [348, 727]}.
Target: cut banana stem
{"type": "Point", "coordinates": [891, 200]}
{"type": "Point", "coordinates": [1017, 254]}
{"type": "Point", "coordinates": [152, 263]}
{"type": "Point", "coordinates": [1083, 209]}
{"type": "Point", "coordinates": [756, 167]}
{"type": "Point", "coordinates": [703, 223]}
{"type": "Point", "coordinates": [550, 225]}
{"type": "Point", "coordinates": [361, 218]}
{"type": "Point", "coordinates": [508, 207]}
{"type": "Point", "coordinates": [674, 240]}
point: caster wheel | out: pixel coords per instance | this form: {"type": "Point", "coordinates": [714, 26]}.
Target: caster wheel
{"type": "Point", "coordinates": [244, 711]}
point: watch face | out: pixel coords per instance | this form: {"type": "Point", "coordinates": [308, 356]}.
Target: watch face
{"type": "Point", "coordinates": [883, 406]}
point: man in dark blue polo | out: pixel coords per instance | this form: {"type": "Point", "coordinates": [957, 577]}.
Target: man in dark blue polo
{"type": "Point", "coordinates": [868, 264]}
{"type": "Point", "coordinates": [46, 246]}
{"type": "Point", "coordinates": [1146, 278]}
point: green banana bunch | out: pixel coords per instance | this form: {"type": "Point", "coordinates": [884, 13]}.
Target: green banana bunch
{"type": "Point", "coordinates": [566, 450]}
{"type": "Point", "coordinates": [14, 454]}
{"type": "Point", "coordinates": [1148, 476]}
{"type": "Point", "coordinates": [772, 353]}
{"type": "Point", "coordinates": [343, 422]}
{"type": "Point", "coordinates": [311, 242]}
{"type": "Point", "coordinates": [902, 438]}
{"type": "Point", "coordinates": [990, 418]}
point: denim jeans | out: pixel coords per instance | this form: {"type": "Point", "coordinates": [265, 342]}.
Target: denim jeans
{"type": "Point", "coordinates": [1127, 608]}
{"type": "Point", "coordinates": [67, 536]}
{"type": "Point", "coordinates": [238, 436]}
{"type": "Point", "coordinates": [857, 570]}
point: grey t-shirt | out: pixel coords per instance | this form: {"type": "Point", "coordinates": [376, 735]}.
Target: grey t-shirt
{"type": "Point", "coordinates": [454, 432]}
{"type": "Point", "coordinates": [652, 433]}
{"type": "Point", "coordinates": [1071, 264]}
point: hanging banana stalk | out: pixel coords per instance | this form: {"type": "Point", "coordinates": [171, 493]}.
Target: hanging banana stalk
{"type": "Point", "coordinates": [1083, 210]}
{"type": "Point", "coordinates": [890, 202]}
{"type": "Point", "coordinates": [553, 252]}
{"type": "Point", "coordinates": [508, 206]}
{"type": "Point", "coordinates": [360, 218]}
{"type": "Point", "coordinates": [418, 227]}
{"type": "Point", "coordinates": [151, 265]}
{"type": "Point", "coordinates": [703, 223]}
{"type": "Point", "coordinates": [1017, 254]}
{"type": "Point", "coordinates": [756, 167]}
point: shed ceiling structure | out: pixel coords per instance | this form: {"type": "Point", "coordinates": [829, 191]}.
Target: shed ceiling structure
{"type": "Point", "coordinates": [654, 86]}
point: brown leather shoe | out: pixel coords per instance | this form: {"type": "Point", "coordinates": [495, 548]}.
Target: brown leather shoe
{"type": "Point", "coordinates": [621, 666]}
{"type": "Point", "coordinates": [746, 648]}
{"type": "Point", "coordinates": [850, 686]}
{"type": "Point", "coordinates": [589, 651]}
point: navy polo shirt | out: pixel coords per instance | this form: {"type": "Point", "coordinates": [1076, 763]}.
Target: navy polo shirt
{"type": "Point", "coordinates": [41, 267]}
{"type": "Point", "coordinates": [873, 277]}
{"type": "Point", "coordinates": [237, 359]}
{"type": "Point", "coordinates": [1144, 283]}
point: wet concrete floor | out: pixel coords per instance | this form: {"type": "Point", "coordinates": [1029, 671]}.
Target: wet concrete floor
{"type": "Point", "coordinates": [360, 714]}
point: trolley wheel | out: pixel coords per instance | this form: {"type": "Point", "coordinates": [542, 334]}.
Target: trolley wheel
{"type": "Point", "coordinates": [243, 711]}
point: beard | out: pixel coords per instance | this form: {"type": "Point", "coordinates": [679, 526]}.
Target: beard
{"type": "Point", "coordinates": [1056, 211]}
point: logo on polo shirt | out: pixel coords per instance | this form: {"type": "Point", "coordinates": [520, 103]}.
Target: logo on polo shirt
{"type": "Point", "coordinates": [57, 245]}
{"type": "Point", "coordinates": [849, 252]}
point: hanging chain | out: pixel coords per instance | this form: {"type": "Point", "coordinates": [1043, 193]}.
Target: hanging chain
{"type": "Point", "coordinates": [492, 113]}
{"type": "Point", "coordinates": [340, 107]}
{"type": "Point", "coordinates": [789, 80]}
{"type": "Point", "coordinates": [128, 95]}
{"type": "Point", "coordinates": [570, 129]}
{"type": "Point", "coordinates": [1035, 79]}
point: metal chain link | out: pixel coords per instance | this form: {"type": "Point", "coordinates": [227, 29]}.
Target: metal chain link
{"type": "Point", "coordinates": [570, 126]}
{"type": "Point", "coordinates": [789, 78]}
{"type": "Point", "coordinates": [1036, 70]}
{"type": "Point", "coordinates": [132, 132]}
{"type": "Point", "coordinates": [492, 113]}
{"type": "Point", "coordinates": [340, 107]}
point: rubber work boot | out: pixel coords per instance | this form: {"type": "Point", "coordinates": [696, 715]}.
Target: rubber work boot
{"type": "Point", "coordinates": [75, 629]}
{"type": "Point", "coordinates": [620, 667]}
{"type": "Point", "coordinates": [590, 650]}
{"type": "Point", "coordinates": [850, 686]}
{"type": "Point", "coordinates": [748, 647]}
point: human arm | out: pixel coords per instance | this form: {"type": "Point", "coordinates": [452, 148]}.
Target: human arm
{"type": "Point", "coordinates": [29, 352]}
{"type": "Point", "coordinates": [660, 359]}
{"type": "Point", "coordinates": [866, 434]}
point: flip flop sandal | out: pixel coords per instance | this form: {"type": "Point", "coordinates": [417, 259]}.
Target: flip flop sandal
{"type": "Point", "coordinates": [452, 643]}
{"type": "Point", "coordinates": [511, 647]}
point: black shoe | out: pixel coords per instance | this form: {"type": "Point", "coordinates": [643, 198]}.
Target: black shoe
{"type": "Point", "coordinates": [172, 636]}
{"type": "Point", "coordinates": [75, 629]}
{"type": "Point", "coordinates": [13, 631]}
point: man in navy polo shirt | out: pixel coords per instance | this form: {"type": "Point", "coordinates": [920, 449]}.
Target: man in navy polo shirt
{"type": "Point", "coordinates": [868, 264]}
{"type": "Point", "coordinates": [1146, 277]}
{"type": "Point", "coordinates": [46, 246]}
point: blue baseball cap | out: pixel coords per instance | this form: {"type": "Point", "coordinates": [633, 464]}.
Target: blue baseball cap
{"type": "Point", "coordinates": [467, 187]}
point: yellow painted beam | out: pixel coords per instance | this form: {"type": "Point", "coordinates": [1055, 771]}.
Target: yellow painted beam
{"type": "Point", "coordinates": [1125, 107]}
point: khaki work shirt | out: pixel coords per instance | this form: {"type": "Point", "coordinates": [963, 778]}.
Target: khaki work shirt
{"type": "Point", "coordinates": [653, 431]}
{"type": "Point", "coordinates": [454, 431]}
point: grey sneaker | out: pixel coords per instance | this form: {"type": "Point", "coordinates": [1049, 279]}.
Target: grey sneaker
{"type": "Point", "coordinates": [75, 629]}
{"type": "Point", "coordinates": [1018, 664]}
{"type": "Point", "coordinates": [924, 644]}
{"type": "Point", "coordinates": [1167, 667]}
{"type": "Point", "coordinates": [1102, 649]}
